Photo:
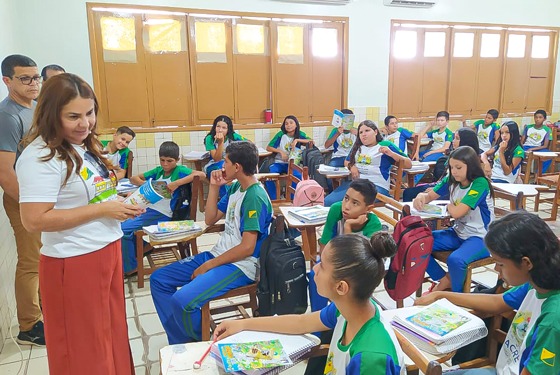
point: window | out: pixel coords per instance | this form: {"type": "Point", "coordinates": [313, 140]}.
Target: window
{"type": "Point", "coordinates": [434, 44]}
{"type": "Point", "coordinates": [463, 45]}
{"type": "Point", "coordinates": [210, 41]}
{"type": "Point", "coordinates": [516, 46]}
{"type": "Point", "coordinates": [540, 47]}
{"type": "Point", "coordinates": [250, 39]}
{"type": "Point", "coordinates": [490, 45]}
{"type": "Point", "coordinates": [405, 44]}
{"type": "Point", "coordinates": [324, 42]}
{"type": "Point", "coordinates": [164, 35]}
{"type": "Point", "coordinates": [290, 44]}
{"type": "Point", "coordinates": [119, 39]}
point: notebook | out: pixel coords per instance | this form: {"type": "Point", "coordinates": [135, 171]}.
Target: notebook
{"type": "Point", "coordinates": [440, 327]}
{"type": "Point", "coordinates": [310, 215]}
{"type": "Point", "coordinates": [295, 347]}
{"type": "Point", "coordinates": [431, 210]}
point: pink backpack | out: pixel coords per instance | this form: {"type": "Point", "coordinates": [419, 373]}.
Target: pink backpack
{"type": "Point", "coordinates": [308, 193]}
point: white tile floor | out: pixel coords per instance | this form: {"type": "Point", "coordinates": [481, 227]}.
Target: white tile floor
{"type": "Point", "coordinates": [147, 335]}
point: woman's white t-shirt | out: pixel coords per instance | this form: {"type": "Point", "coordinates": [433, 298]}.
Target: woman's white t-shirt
{"type": "Point", "coordinates": [43, 182]}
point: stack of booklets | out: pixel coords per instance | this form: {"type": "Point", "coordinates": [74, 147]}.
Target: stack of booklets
{"type": "Point", "coordinates": [327, 169]}
{"type": "Point", "coordinates": [171, 230]}
{"type": "Point", "coordinates": [261, 353]}
{"type": "Point", "coordinates": [440, 327]}
{"type": "Point", "coordinates": [310, 215]}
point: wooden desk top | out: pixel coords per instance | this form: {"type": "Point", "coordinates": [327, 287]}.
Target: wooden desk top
{"type": "Point", "coordinates": [528, 190]}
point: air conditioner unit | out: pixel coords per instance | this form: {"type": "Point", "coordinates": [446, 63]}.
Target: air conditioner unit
{"type": "Point", "coordinates": [410, 3]}
{"type": "Point", "coordinates": [324, 2]}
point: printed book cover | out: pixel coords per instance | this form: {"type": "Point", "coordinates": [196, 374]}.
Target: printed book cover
{"type": "Point", "coordinates": [310, 214]}
{"type": "Point", "coordinates": [175, 226]}
{"type": "Point", "coordinates": [438, 319]}
{"type": "Point", "coordinates": [253, 355]}
{"type": "Point", "coordinates": [343, 119]}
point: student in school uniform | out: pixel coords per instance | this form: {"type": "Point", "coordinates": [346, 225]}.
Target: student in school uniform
{"type": "Point", "coordinates": [363, 342]}
{"type": "Point", "coordinates": [351, 215]}
{"type": "Point", "coordinates": [442, 137]}
{"type": "Point", "coordinates": [472, 207]}
{"type": "Point", "coordinates": [232, 262]}
{"type": "Point", "coordinates": [286, 144]}
{"type": "Point", "coordinates": [537, 136]}
{"type": "Point", "coordinates": [370, 158]}
{"type": "Point", "coordinates": [487, 130]}
{"type": "Point", "coordinates": [342, 141]}
{"type": "Point", "coordinates": [508, 154]}
{"type": "Point", "coordinates": [395, 134]}
{"type": "Point", "coordinates": [175, 176]}
{"type": "Point", "coordinates": [117, 149]}
{"type": "Point", "coordinates": [527, 254]}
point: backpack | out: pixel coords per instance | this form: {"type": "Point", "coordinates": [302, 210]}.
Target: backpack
{"type": "Point", "coordinates": [312, 158]}
{"type": "Point", "coordinates": [308, 193]}
{"type": "Point", "coordinates": [182, 208]}
{"type": "Point", "coordinates": [414, 245]}
{"type": "Point", "coordinates": [282, 281]}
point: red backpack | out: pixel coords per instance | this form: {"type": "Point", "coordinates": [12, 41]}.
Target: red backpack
{"type": "Point", "coordinates": [308, 193]}
{"type": "Point", "coordinates": [414, 245]}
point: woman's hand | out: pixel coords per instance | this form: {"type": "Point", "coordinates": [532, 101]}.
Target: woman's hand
{"type": "Point", "coordinates": [354, 172]}
{"type": "Point", "coordinates": [219, 137]}
{"type": "Point", "coordinates": [503, 146]}
{"type": "Point", "coordinates": [228, 328]}
{"type": "Point", "coordinates": [419, 202]}
{"type": "Point", "coordinates": [121, 211]}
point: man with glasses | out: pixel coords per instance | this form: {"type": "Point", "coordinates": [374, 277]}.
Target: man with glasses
{"type": "Point", "coordinates": [21, 76]}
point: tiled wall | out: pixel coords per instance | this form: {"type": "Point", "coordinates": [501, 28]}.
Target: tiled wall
{"type": "Point", "coordinates": [8, 259]}
{"type": "Point", "coordinates": [146, 145]}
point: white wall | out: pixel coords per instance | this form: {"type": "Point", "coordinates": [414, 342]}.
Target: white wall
{"type": "Point", "coordinates": [8, 35]}
{"type": "Point", "coordinates": [56, 31]}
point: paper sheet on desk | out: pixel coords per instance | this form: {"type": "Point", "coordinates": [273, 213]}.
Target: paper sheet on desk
{"type": "Point", "coordinates": [431, 210]}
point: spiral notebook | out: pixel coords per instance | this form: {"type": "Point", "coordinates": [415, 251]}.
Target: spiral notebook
{"type": "Point", "coordinates": [440, 327]}
{"type": "Point", "coordinates": [295, 347]}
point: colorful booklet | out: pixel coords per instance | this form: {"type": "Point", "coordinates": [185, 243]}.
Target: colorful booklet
{"type": "Point", "coordinates": [430, 210]}
{"type": "Point", "coordinates": [310, 215]}
{"type": "Point", "coordinates": [343, 119]}
{"type": "Point", "coordinates": [440, 327]}
{"type": "Point", "coordinates": [149, 193]}
{"type": "Point", "coordinates": [253, 355]}
{"type": "Point", "coordinates": [175, 226]}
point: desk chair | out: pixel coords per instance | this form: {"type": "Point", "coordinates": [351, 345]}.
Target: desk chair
{"type": "Point", "coordinates": [553, 181]}
{"type": "Point", "coordinates": [162, 253]}
{"type": "Point", "coordinates": [129, 159]}
{"type": "Point", "coordinates": [289, 179]}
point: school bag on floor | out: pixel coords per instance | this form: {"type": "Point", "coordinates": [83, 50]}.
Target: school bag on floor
{"type": "Point", "coordinates": [282, 283]}
{"type": "Point", "coordinates": [308, 193]}
{"type": "Point", "coordinates": [414, 245]}
{"type": "Point", "coordinates": [312, 158]}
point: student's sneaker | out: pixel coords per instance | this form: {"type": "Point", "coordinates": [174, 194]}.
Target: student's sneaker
{"type": "Point", "coordinates": [35, 336]}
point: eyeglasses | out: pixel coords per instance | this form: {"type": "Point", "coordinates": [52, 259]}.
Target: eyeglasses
{"type": "Point", "coordinates": [98, 164]}
{"type": "Point", "coordinates": [29, 80]}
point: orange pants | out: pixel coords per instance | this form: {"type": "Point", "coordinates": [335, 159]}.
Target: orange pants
{"type": "Point", "coordinates": [85, 314]}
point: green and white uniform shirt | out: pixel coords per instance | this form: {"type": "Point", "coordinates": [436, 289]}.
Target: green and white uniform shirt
{"type": "Point", "coordinates": [399, 138]}
{"type": "Point", "coordinates": [533, 339]}
{"type": "Point", "coordinates": [498, 171]}
{"type": "Point", "coordinates": [374, 165]}
{"type": "Point", "coordinates": [284, 142]}
{"type": "Point", "coordinates": [334, 225]}
{"type": "Point", "coordinates": [374, 349]}
{"type": "Point", "coordinates": [165, 205]}
{"type": "Point", "coordinates": [119, 158]}
{"type": "Point", "coordinates": [477, 196]}
{"type": "Point", "coordinates": [485, 134]}
{"type": "Point", "coordinates": [210, 145]}
{"type": "Point", "coordinates": [245, 210]}
{"type": "Point", "coordinates": [536, 137]}
{"type": "Point", "coordinates": [343, 144]}
{"type": "Point", "coordinates": [440, 138]}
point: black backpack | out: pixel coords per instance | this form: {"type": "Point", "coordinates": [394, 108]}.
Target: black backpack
{"type": "Point", "coordinates": [312, 158]}
{"type": "Point", "coordinates": [282, 284]}
{"type": "Point", "coordinates": [182, 211]}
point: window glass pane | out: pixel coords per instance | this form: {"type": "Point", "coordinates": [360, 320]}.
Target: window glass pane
{"type": "Point", "coordinates": [405, 44]}
{"type": "Point", "coordinates": [165, 35]}
{"type": "Point", "coordinates": [324, 42]}
{"type": "Point", "coordinates": [540, 47]}
{"type": "Point", "coordinates": [516, 45]}
{"type": "Point", "coordinates": [434, 44]}
{"type": "Point", "coordinates": [250, 39]}
{"type": "Point", "coordinates": [490, 45]}
{"type": "Point", "coordinates": [290, 44]}
{"type": "Point", "coordinates": [463, 45]}
{"type": "Point", "coordinates": [118, 35]}
{"type": "Point", "coordinates": [210, 38]}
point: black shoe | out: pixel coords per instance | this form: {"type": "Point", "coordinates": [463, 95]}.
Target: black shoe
{"type": "Point", "coordinates": [35, 336]}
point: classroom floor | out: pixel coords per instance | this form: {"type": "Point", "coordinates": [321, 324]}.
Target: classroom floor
{"type": "Point", "coordinates": [147, 335]}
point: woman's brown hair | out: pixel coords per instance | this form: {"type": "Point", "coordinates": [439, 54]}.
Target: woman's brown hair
{"type": "Point", "coordinates": [56, 93]}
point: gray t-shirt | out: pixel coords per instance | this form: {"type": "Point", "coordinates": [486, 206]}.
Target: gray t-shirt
{"type": "Point", "coordinates": [15, 121]}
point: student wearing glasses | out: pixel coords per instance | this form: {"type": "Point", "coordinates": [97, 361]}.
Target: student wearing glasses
{"type": "Point", "coordinates": [21, 76]}
{"type": "Point", "coordinates": [68, 194]}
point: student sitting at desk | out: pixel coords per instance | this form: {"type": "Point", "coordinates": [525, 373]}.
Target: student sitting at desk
{"type": "Point", "coordinates": [527, 254]}
{"type": "Point", "coordinates": [393, 133]}
{"type": "Point", "coordinates": [175, 176]}
{"type": "Point", "coordinates": [117, 150]}
{"type": "Point", "coordinates": [442, 137]}
{"type": "Point", "coordinates": [371, 158]}
{"type": "Point", "coordinates": [232, 262]}
{"type": "Point", "coordinates": [472, 207]}
{"type": "Point", "coordinates": [536, 137]}
{"type": "Point", "coordinates": [342, 141]}
{"type": "Point", "coordinates": [487, 130]}
{"type": "Point", "coordinates": [216, 141]}
{"type": "Point", "coordinates": [508, 154]}
{"type": "Point", "coordinates": [352, 215]}
{"type": "Point", "coordinates": [352, 267]}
